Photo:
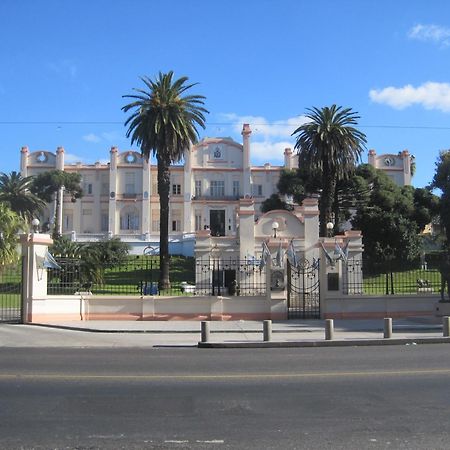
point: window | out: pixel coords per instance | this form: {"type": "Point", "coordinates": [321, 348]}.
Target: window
{"type": "Point", "coordinates": [104, 221]}
{"type": "Point", "coordinates": [176, 189]}
{"type": "Point", "coordinates": [198, 221]}
{"type": "Point", "coordinates": [257, 190]}
{"type": "Point", "coordinates": [87, 184]}
{"type": "Point", "coordinates": [129, 221]}
{"type": "Point", "coordinates": [129, 183]}
{"type": "Point", "coordinates": [198, 188]}
{"type": "Point", "coordinates": [176, 225]}
{"type": "Point", "coordinates": [155, 225]}
{"type": "Point", "coordinates": [217, 188]}
{"type": "Point", "coordinates": [236, 190]}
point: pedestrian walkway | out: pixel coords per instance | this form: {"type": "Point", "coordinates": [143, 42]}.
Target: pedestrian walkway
{"type": "Point", "coordinates": [222, 334]}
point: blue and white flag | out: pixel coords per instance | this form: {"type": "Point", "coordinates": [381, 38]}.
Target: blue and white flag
{"type": "Point", "coordinates": [279, 256]}
{"type": "Point", "coordinates": [50, 262]}
{"type": "Point", "coordinates": [291, 255]}
{"type": "Point", "coordinates": [264, 255]}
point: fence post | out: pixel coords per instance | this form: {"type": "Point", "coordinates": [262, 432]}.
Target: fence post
{"type": "Point", "coordinates": [329, 329]}
{"type": "Point", "coordinates": [205, 331]}
{"type": "Point", "coordinates": [387, 327]}
{"type": "Point", "coordinates": [267, 330]}
{"type": "Point", "coordinates": [446, 326]}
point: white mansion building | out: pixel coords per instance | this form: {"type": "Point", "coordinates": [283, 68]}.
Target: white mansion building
{"type": "Point", "coordinates": [120, 198]}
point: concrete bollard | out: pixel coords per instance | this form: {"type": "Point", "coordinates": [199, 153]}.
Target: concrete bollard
{"type": "Point", "coordinates": [267, 330]}
{"type": "Point", "coordinates": [446, 326]}
{"type": "Point", "coordinates": [387, 327]}
{"type": "Point", "coordinates": [205, 331]}
{"type": "Point", "coordinates": [329, 329]}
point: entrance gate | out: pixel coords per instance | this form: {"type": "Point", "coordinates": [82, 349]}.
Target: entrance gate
{"type": "Point", "coordinates": [303, 290]}
{"type": "Point", "coordinates": [11, 293]}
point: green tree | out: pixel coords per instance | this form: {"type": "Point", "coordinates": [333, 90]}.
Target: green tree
{"type": "Point", "coordinates": [274, 202]}
{"type": "Point", "coordinates": [441, 181]}
{"type": "Point", "coordinates": [390, 218]}
{"type": "Point", "coordinates": [15, 191]}
{"type": "Point", "coordinates": [10, 224]}
{"type": "Point", "coordinates": [163, 124]}
{"type": "Point", "coordinates": [47, 186]}
{"type": "Point", "coordinates": [329, 143]}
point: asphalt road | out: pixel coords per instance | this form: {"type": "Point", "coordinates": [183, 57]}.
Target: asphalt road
{"type": "Point", "coordinates": [328, 398]}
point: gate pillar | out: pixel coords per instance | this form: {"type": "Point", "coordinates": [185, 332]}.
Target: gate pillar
{"type": "Point", "coordinates": [34, 249]}
{"type": "Point", "coordinates": [331, 283]}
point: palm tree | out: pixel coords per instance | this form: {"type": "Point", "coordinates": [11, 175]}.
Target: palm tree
{"type": "Point", "coordinates": [15, 191]}
{"type": "Point", "coordinates": [50, 185]}
{"type": "Point", "coordinates": [10, 224]}
{"type": "Point", "coordinates": [329, 143]}
{"type": "Point", "coordinates": [163, 124]}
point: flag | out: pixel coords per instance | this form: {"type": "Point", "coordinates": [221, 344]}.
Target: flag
{"type": "Point", "coordinates": [341, 253]}
{"type": "Point", "coordinates": [265, 253]}
{"type": "Point", "coordinates": [327, 255]}
{"type": "Point", "coordinates": [49, 262]}
{"type": "Point", "coordinates": [279, 256]}
{"type": "Point", "coordinates": [292, 257]}
{"type": "Point", "coordinates": [315, 263]}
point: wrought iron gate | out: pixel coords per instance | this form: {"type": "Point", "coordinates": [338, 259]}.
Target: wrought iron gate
{"type": "Point", "coordinates": [11, 293]}
{"type": "Point", "coordinates": [303, 290]}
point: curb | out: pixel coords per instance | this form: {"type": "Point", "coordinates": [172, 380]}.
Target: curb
{"type": "Point", "coordinates": [334, 343]}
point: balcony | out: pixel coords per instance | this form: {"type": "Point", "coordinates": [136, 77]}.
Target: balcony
{"type": "Point", "coordinates": [229, 198]}
{"type": "Point", "coordinates": [128, 195]}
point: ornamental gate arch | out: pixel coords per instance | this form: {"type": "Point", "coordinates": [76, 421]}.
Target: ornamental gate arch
{"type": "Point", "coordinates": [303, 289]}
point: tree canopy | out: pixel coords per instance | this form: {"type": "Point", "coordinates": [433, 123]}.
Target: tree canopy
{"type": "Point", "coordinates": [163, 123]}
{"type": "Point", "coordinates": [329, 145]}
{"type": "Point", "coordinates": [15, 191]}
{"type": "Point", "coordinates": [46, 186]}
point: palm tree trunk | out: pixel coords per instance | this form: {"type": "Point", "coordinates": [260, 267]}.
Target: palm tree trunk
{"type": "Point", "coordinates": [326, 199]}
{"type": "Point", "coordinates": [164, 190]}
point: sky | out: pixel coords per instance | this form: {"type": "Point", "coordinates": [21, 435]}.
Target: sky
{"type": "Point", "coordinates": [66, 65]}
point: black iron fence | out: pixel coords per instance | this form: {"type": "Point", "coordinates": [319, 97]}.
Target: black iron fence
{"type": "Point", "coordinates": [389, 280]}
{"type": "Point", "coordinates": [229, 277]}
{"type": "Point", "coordinates": [11, 293]}
{"type": "Point", "coordinates": [135, 276]}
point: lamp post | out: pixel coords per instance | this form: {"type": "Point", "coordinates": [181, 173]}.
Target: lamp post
{"type": "Point", "coordinates": [330, 226]}
{"type": "Point", "coordinates": [35, 224]}
{"type": "Point", "coordinates": [275, 226]}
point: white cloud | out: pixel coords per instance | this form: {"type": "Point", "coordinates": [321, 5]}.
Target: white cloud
{"type": "Point", "coordinates": [262, 127]}
{"type": "Point", "coordinates": [269, 151]}
{"type": "Point", "coordinates": [430, 95]}
{"type": "Point", "coordinates": [430, 33]}
{"type": "Point", "coordinates": [70, 158]}
{"type": "Point", "coordinates": [64, 67]}
{"type": "Point", "coordinates": [268, 139]}
{"type": "Point", "coordinates": [91, 137]}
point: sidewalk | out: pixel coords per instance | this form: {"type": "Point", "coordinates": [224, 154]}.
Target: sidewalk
{"type": "Point", "coordinates": [292, 333]}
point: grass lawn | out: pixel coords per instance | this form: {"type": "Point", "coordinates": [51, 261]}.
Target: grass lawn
{"type": "Point", "coordinates": [405, 282]}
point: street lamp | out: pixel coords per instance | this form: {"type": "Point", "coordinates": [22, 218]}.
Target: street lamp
{"type": "Point", "coordinates": [35, 224]}
{"type": "Point", "coordinates": [275, 226]}
{"type": "Point", "coordinates": [330, 226]}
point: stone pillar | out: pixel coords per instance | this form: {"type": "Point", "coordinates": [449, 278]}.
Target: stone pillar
{"type": "Point", "coordinates": [246, 172]}
{"type": "Point", "coordinates": [371, 158]}
{"type": "Point", "coordinates": [112, 225]}
{"type": "Point", "coordinates": [146, 189]}
{"type": "Point", "coordinates": [188, 223]}
{"type": "Point", "coordinates": [406, 160]}
{"type": "Point", "coordinates": [60, 158]}
{"type": "Point", "coordinates": [34, 249]}
{"type": "Point", "coordinates": [246, 217]}
{"type": "Point", "coordinates": [288, 159]}
{"type": "Point", "coordinates": [24, 153]}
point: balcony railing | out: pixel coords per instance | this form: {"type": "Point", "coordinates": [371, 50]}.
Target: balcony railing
{"type": "Point", "coordinates": [216, 197]}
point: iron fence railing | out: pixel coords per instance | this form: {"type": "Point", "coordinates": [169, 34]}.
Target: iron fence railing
{"type": "Point", "coordinates": [229, 277]}
{"type": "Point", "coordinates": [11, 293]}
{"type": "Point", "coordinates": [136, 276]}
{"type": "Point", "coordinates": [388, 281]}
